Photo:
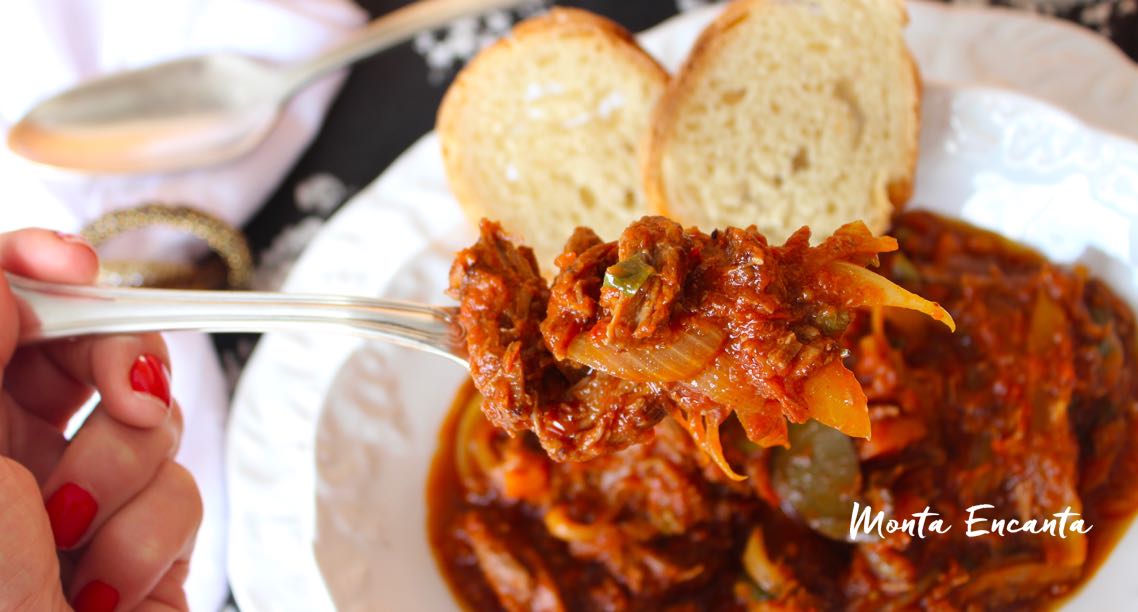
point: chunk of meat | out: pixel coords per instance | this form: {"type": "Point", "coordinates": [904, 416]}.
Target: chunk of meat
{"type": "Point", "coordinates": [577, 415]}
{"type": "Point", "coordinates": [517, 576]}
{"type": "Point", "coordinates": [664, 253]}
{"type": "Point", "coordinates": [600, 412]}
{"type": "Point", "coordinates": [503, 299]}
{"type": "Point", "coordinates": [576, 289]}
{"type": "Point", "coordinates": [649, 514]}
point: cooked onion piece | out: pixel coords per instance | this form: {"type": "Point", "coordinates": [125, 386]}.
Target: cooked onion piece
{"type": "Point", "coordinates": [835, 399]}
{"type": "Point", "coordinates": [715, 382]}
{"type": "Point", "coordinates": [474, 458]}
{"type": "Point", "coordinates": [769, 575]}
{"type": "Point", "coordinates": [681, 358]}
{"type": "Point", "coordinates": [564, 528]}
{"type": "Point", "coordinates": [857, 286]}
{"type": "Point", "coordinates": [703, 427]}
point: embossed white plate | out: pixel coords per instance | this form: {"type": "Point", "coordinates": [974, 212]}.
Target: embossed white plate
{"type": "Point", "coordinates": [331, 438]}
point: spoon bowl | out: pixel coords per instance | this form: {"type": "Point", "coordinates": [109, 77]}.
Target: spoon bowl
{"type": "Point", "coordinates": [186, 113]}
{"type": "Point", "coordinates": [198, 111]}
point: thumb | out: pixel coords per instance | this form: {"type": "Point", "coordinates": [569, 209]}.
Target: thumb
{"type": "Point", "coordinates": [44, 255]}
{"type": "Point", "coordinates": [28, 563]}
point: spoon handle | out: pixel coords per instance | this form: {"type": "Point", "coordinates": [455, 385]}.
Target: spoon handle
{"type": "Point", "coordinates": [384, 32]}
{"type": "Point", "coordinates": [49, 311]}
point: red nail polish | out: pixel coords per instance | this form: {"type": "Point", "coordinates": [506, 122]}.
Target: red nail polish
{"type": "Point", "coordinates": [149, 375]}
{"type": "Point", "coordinates": [97, 596]}
{"type": "Point", "coordinates": [70, 511]}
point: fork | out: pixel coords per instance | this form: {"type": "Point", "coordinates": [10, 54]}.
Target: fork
{"type": "Point", "coordinates": [51, 310]}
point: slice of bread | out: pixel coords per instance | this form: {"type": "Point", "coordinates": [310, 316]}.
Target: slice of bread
{"type": "Point", "coordinates": [789, 113]}
{"type": "Point", "coordinates": [541, 130]}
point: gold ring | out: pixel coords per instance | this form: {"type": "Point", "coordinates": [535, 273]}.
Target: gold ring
{"type": "Point", "coordinates": [225, 241]}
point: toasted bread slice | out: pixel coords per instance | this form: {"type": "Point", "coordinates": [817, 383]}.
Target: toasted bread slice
{"type": "Point", "coordinates": [789, 113]}
{"type": "Point", "coordinates": [541, 130]}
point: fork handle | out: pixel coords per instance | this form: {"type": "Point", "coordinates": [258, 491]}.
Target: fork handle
{"type": "Point", "coordinates": [50, 310]}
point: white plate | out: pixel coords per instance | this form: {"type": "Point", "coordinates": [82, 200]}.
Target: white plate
{"type": "Point", "coordinates": [331, 438]}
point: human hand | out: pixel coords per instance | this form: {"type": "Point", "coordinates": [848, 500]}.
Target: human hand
{"type": "Point", "coordinates": [120, 512]}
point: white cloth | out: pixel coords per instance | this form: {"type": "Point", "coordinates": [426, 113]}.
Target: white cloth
{"type": "Point", "coordinates": [48, 45]}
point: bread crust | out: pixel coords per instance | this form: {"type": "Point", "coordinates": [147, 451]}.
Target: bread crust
{"type": "Point", "coordinates": [901, 188]}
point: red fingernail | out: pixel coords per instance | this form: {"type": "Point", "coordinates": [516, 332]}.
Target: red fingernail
{"type": "Point", "coordinates": [149, 375]}
{"type": "Point", "coordinates": [97, 596]}
{"type": "Point", "coordinates": [70, 511]}
{"type": "Point", "coordinates": [75, 239]}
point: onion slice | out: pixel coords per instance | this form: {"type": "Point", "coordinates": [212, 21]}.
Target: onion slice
{"type": "Point", "coordinates": [858, 286]}
{"type": "Point", "coordinates": [715, 382]}
{"type": "Point", "coordinates": [686, 355]}
{"type": "Point", "coordinates": [832, 393]}
{"type": "Point", "coordinates": [703, 427]}
{"type": "Point", "coordinates": [561, 526]}
{"type": "Point", "coordinates": [761, 419]}
{"type": "Point", "coordinates": [714, 448]}
{"type": "Point", "coordinates": [474, 458]}
{"type": "Point", "coordinates": [835, 399]}
{"type": "Point", "coordinates": [771, 576]}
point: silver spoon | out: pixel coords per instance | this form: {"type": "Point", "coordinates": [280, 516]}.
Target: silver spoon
{"type": "Point", "coordinates": [51, 311]}
{"type": "Point", "coordinates": [200, 110]}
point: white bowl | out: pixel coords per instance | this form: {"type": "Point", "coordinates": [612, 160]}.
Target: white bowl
{"type": "Point", "coordinates": [331, 438]}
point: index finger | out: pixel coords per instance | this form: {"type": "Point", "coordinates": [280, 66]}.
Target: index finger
{"type": "Point", "coordinates": [44, 255]}
{"type": "Point", "coordinates": [130, 372]}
